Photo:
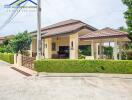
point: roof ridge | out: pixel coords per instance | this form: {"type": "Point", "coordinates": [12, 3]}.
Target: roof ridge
{"type": "Point", "coordinates": [112, 30]}
{"type": "Point", "coordinates": [52, 26]}
{"type": "Point", "coordinates": [116, 30]}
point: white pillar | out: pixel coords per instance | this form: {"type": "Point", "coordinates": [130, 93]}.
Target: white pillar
{"type": "Point", "coordinates": [92, 48]}
{"type": "Point", "coordinates": [57, 44]}
{"type": "Point", "coordinates": [97, 51]}
{"type": "Point", "coordinates": [115, 53]}
{"type": "Point", "coordinates": [48, 48]}
{"type": "Point", "coordinates": [42, 48]}
{"type": "Point", "coordinates": [101, 50]}
{"type": "Point", "coordinates": [120, 51]}
{"type": "Point", "coordinates": [15, 59]}
{"type": "Point", "coordinates": [74, 46]}
{"type": "Point", "coordinates": [19, 60]}
{"type": "Point", "coordinates": [31, 49]}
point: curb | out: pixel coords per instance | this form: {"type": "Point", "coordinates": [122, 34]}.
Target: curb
{"type": "Point", "coordinates": [98, 75]}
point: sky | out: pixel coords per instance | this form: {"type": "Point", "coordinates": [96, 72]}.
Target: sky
{"type": "Point", "coordinates": [97, 13]}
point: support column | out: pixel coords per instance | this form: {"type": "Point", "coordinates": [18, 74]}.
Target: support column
{"type": "Point", "coordinates": [74, 46]}
{"type": "Point", "coordinates": [92, 48]}
{"type": "Point", "coordinates": [120, 51]}
{"type": "Point", "coordinates": [31, 49]}
{"type": "Point", "coordinates": [42, 48]}
{"type": "Point", "coordinates": [101, 50]}
{"type": "Point", "coordinates": [115, 53]}
{"type": "Point", "coordinates": [48, 48]}
{"type": "Point", "coordinates": [15, 59]}
{"type": "Point", "coordinates": [57, 44]}
{"type": "Point", "coordinates": [19, 60]}
{"type": "Point", "coordinates": [97, 51]}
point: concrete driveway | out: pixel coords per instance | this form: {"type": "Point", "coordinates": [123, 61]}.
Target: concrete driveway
{"type": "Point", "coordinates": [14, 86]}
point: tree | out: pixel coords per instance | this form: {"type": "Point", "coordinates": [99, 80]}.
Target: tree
{"type": "Point", "coordinates": [20, 42]}
{"type": "Point", "coordinates": [108, 51]}
{"type": "Point", "coordinates": [128, 16]}
{"type": "Point", "coordinates": [122, 29]}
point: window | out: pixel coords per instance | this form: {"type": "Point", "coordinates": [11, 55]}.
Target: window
{"type": "Point", "coordinates": [53, 46]}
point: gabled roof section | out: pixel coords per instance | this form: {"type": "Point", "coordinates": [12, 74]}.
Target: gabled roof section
{"type": "Point", "coordinates": [104, 33]}
{"type": "Point", "coordinates": [62, 24]}
{"type": "Point", "coordinates": [66, 27]}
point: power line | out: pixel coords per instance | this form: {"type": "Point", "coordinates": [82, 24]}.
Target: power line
{"type": "Point", "coordinates": [11, 17]}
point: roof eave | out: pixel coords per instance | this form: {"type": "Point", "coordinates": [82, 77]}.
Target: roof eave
{"type": "Point", "coordinates": [104, 37]}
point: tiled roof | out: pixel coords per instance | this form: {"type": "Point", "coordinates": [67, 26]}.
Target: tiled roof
{"type": "Point", "coordinates": [2, 38]}
{"type": "Point", "coordinates": [64, 28]}
{"type": "Point", "coordinates": [104, 33]}
{"type": "Point", "coordinates": [59, 24]}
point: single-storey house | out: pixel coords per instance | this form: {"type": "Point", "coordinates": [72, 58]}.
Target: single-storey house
{"type": "Point", "coordinates": [64, 39]}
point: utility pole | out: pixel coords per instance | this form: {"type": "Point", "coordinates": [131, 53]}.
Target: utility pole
{"type": "Point", "coordinates": [39, 30]}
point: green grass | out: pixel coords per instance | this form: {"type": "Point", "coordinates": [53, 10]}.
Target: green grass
{"type": "Point", "coordinates": [84, 66]}
{"type": "Point", "coordinates": [7, 57]}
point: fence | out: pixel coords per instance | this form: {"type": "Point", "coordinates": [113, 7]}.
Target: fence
{"type": "Point", "coordinates": [25, 61]}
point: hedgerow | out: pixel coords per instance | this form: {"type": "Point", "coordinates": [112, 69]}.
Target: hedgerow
{"type": "Point", "coordinates": [83, 66]}
{"type": "Point", "coordinates": [8, 57]}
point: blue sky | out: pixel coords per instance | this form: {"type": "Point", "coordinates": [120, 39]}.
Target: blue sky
{"type": "Point", "coordinates": [98, 13]}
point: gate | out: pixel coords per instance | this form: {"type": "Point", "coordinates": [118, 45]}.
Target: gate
{"type": "Point", "coordinates": [28, 62]}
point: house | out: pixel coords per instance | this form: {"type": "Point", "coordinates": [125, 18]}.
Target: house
{"type": "Point", "coordinates": [63, 40]}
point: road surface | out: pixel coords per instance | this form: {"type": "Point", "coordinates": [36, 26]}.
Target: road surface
{"type": "Point", "coordinates": [15, 86]}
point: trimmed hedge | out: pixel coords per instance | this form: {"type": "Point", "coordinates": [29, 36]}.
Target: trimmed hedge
{"type": "Point", "coordinates": [7, 57]}
{"type": "Point", "coordinates": [84, 66]}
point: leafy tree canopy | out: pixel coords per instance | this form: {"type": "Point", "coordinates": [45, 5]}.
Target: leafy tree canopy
{"type": "Point", "coordinates": [128, 15]}
{"type": "Point", "coordinates": [21, 42]}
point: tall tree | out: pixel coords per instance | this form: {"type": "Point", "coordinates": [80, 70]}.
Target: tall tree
{"type": "Point", "coordinates": [128, 15]}
{"type": "Point", "coordinates": [123, 29]}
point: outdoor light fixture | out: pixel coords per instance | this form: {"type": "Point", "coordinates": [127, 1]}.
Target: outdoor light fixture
{"type": "Point", "coordinates": [45, 46]}
{"type": "Point", "coordinates": [72, 45]}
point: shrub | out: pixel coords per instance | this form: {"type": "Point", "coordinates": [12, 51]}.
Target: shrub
{"type": "Point", "coordinates": [7, 57]}
{"type": "Point", "coordinates": [108, 51]}
{"type": "Point", "coordinates": [83, 66]}
{"type": "Point", "coordinates": [129, 54]}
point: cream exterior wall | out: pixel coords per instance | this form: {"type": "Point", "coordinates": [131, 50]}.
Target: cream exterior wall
{"type": "Point", "coordinates": [34, 45]}
{"type": "Point", "coordinates": [74, 50]}
{"type": "Point", "coordinates": [48, 48]}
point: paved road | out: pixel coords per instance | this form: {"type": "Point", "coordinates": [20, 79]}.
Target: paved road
{"type": "Point", "coordinates": [14, 86]}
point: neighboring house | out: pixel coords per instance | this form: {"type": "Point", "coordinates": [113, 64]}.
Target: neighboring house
{"type": "Point", "coordinates": [1, 40]}
{"type": "Point", "coordinates": [63, 40]}
{"type": "Point", "coordinates": [9, 37]}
